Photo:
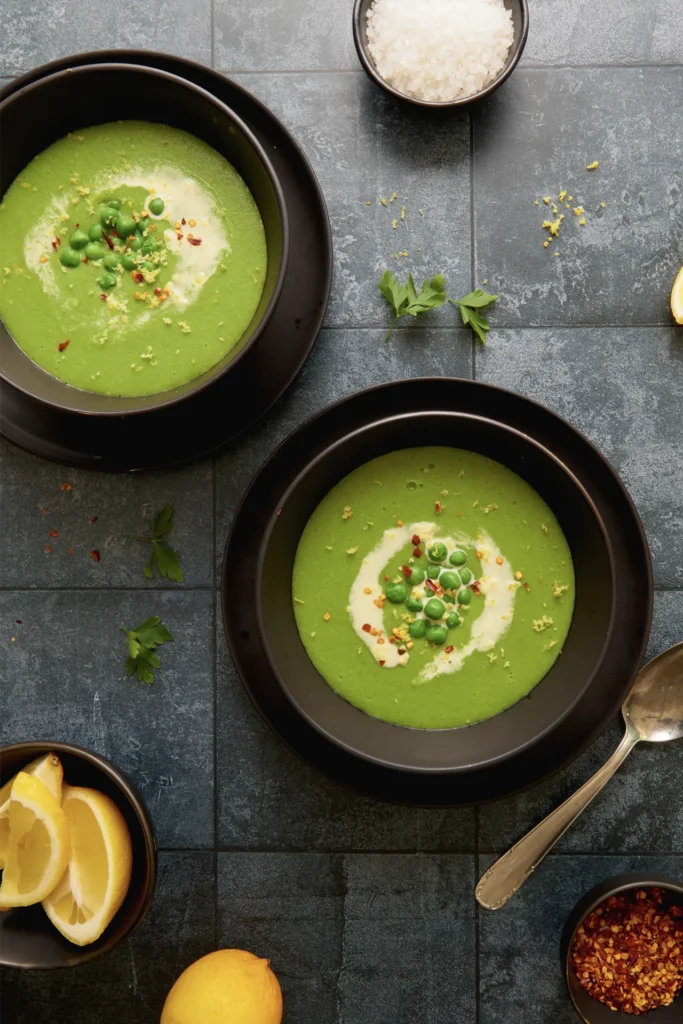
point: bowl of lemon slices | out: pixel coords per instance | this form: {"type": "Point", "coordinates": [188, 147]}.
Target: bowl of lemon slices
{"type": "Point", "coordinates": [77, 856]}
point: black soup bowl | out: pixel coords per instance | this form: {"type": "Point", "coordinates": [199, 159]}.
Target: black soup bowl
{"type": "Point", "coordinates": [28, 938]}
{"type": "Point", "coordinates": [80, 97]}
{"type": "Point", "coordinates": [494, 741]}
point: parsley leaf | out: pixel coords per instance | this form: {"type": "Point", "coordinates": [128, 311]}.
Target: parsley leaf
{"type": "Point", "coordinates": [163, 557]}
{"type": "Point", "coordinates": [468, 307]}
{"type": "Point", "coordinates": [142, 644]}
{"type": "Point", "coordinates": [405, 300]}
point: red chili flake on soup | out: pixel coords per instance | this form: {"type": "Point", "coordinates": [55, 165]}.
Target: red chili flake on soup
{"type": "Point", "coordinates": [437, 507]}
{"type": "Point", "coordinates": [415, 539]}
{"type": "Point", "coordinates": [417, 553]}
{"type": "Point", "coordinates": [137, 276]}
{"type": "Point", "coordinates": [95, 555]}
{"type": "Point", "coordinates": [103, 296]}
{"type": "Point", "coordinates": [381, 663]}
{"type": "Point", "coordinates": [56, 242]}
{"type": "Point", "coordinates": [63, 344]}
{"type": "Point", "coordinates": [431, 585]}
{"type": "Point", "coordinates": [476, 587]}
{"type": "Point", "coordinates": [194, 241]}
{"type": "Point", "coordinates": [108, 240]}
{"type": "Point", "coordinates": [366, 627]}
{"type": "Point", "coordinates": [450, 649]}
{"type": "Point", "coordinates": [407, 571]}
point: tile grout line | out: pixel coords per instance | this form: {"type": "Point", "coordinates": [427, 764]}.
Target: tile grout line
{"type": "Point", "coordinates": [212, 16]}
{"type": "Point", "coordinates": [214, 669]}
{"type": "Point", "coordinates": [473, 251]}
{"type": "Point", "coordinates": [477, 937]}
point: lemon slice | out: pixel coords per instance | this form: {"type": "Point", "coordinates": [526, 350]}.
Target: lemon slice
{"type": "Point", "coordinates": [48, 769]}
{"type": "Point", "coordinates": [677, 298]}
{"type": "Point", "coordinates": [98, 874]}
{"type": "Point", "coordinates": [38, 843]}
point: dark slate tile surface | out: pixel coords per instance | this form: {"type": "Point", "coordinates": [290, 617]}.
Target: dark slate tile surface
{"type": "Point", "coordinates": [35, 31]}
{"type": "Point", "coordinates": [363, 146]}
{"type": "Point", "coordinates": [611, 32]}
{"type": "Point", "coordinates": [355, 939]}
{"type": "Point", "coordinates": [624, 389]}
{"type": "Point", "coordinates": [269, 798]}
{"type": "Point", "coordinates": [521, 980]}
{"type": "Point", "coordinates": [301, 35]}
{"type": "Point", "coordinates": [534, 138]}
{"type": "Point", "coordinates": [63, 679]}
{"type": "Point", "coordinates": [123, 505]}
{"type": "Point", "coordinates": [640, 809]}
{"type": "Point", "coordinates": [130, 983]}
{"type": "Point", "coordinates": [343, 361]}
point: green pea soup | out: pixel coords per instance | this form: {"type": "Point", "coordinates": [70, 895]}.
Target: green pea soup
{"type": "Point", "coordinates": [433, 588]}
{"type": "Point", "coordinates": [132, 258]}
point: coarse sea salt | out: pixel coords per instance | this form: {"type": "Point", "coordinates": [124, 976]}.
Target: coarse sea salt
{"type": "Point", "coordinates": [439, 50]}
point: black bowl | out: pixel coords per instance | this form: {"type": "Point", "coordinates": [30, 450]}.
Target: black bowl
{"type": "Point", "coordinates": [590, 1010]}
{"type": "Point", "coordinates": [521, 726]}
{"type": "Point", "coordinates": [75, 98]}
{"type": "Point", "coordinates": [520, 25]}
{"type": "Point", "coordinates": [27, 936]}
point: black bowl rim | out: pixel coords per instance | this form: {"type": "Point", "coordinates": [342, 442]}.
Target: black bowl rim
{"type": "Point", "coordinates": [35, 747]}
{"type": "Point", "coordinates": [36, 84]}
{"type": "Point", "coordinates": [593, 898]}
{"type": "Point", "coordinates": [350, 749]}
{"type": "Point", "coordinates": [368, 65]}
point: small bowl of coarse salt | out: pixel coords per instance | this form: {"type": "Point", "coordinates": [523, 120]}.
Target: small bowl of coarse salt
{"type": "Point", "coordinates": [440, 53]}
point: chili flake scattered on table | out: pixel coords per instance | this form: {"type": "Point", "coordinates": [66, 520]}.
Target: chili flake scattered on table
{"type": "Point", "coordinates": [95, 555]}
{"type": "Point", "coordinates": [628, 953]}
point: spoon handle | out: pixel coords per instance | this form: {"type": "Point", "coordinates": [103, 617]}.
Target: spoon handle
{"type": "Point", "coordinates": [504, 878]}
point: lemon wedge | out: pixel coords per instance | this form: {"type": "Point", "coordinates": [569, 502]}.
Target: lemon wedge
{"type": "Point", "coordinates": [677, 298]}
{"type": "Point", "coordinates": [38, 843]}
{"type": "Point", "coordinates": [98, 873]}
{"type": "Point", "coordinates": [48, 769]}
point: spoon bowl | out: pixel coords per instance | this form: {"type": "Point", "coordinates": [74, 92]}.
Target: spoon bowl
{"type": "Point", "coordinates": [654, 707]}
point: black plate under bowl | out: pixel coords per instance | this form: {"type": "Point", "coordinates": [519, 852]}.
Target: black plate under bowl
{"type": "Point", "coordinates": [205, 422]}
{"type": "Point", "coordinates": [27, 936]}
{"type": "Point", "coordinates": [482, 761]}
{"type": "Point", "coordinates": [591, 1010]}
{"type": "Point", "coordinates": [69, 100]}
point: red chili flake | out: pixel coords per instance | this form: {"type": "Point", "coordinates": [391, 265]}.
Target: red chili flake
{"type": "Point", "coordinates": [158, 291]}
{"type": "Point", "coordinates": [381, 663]}
{"type": "Point", "coordinates": [108, 241]}
{"type": "Point", "coordinates": [183, 221]}
{"type": "Point", "coordinates": [526, 586]}
{"type": "Point", "coordinates": [476, 587]}
{"type": "Point", "coordinates": [194, 241]}
{"type": "Point", "coordinates": [70, 551]}
{"type": "Point", "coordinates": [179, 236]}
{"type": "Point", "coordinates": [63, 344]}
{"type": "Point", "coordinates": [45, 511]}
{"type": "Point", "coordinates": [437, 507]}
{"type": "Point", "coordinates": [415, 539]}
{"type": "Point", "coordinates": [103, 296]}
{"type": "Point", "coordinates": [56, 243]}
{"type": "Point", "coordinates": [19, 622]}
{"type": "Point", "coordinates": [386, 578]}
{"type": "Point", "coordinates": [48, 548]}
{"type": "Point", "coordinates": [450, 649]}
{"type": "Point", "coordinates": [366, 627]}
{"type": "Point", "coordinates": [94, 519]}
{"type": "Point", "coordinates": [112, 232]}
{"type": "Point", "coordinates": [417, 553]}
{"type": "Point", "coordinates": [95, 555]}
{"type": "Point", "coordinates": [401, 650]}
{"type": "Point", "coordinates": [458, 514]}
{"type": "Point", "coordinates": [66, 487]}
{"type": "Point", "coordinates": [54, 533]}
{"type": "Point", "coordinates": [431, 585]}
{"type": "Point", "coordinates": [137, 276]}
{"type": "Point", "coordinates": [407, 571]}
{"type": "Point", "coordinates": [85, 259]}
{"type": "Point", "coordinates": [392, 639]}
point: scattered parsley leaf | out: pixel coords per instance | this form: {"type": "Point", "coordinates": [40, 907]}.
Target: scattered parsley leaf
{"type": "Point", "coordinates": [468, 307]}
{"type": "Point", "coordinates": [405, 300]}
{"type": "Point", "coordinates": [142, 644]}
{"type": "Point", "coordinates": [163, 557]}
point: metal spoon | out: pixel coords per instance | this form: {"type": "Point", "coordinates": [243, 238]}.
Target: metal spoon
{"type": "Point", "coordinates": [653, 711]}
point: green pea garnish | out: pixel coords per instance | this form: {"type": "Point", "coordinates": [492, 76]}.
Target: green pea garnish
{"type": "Point", "coordinates": [94, 251]}
{"type": "Point", "coordinates": [435, 634]}
{"type": "Point", "coordinates": [78, 239]}
{"type": "Point", "coordinates": [156, 206]}
{"type": "Point", "coordinates": [458, 557]}
{"type": "Point", "coordinates": [433, 572]}
{"type": "Point", "coordinates": [115, 204]}
{"type": "Point", "coordinates": [108, 217]}
{"type": "Point", "coordinates": [69, 257]}
{"type": "Point", "coordinates": [437, 552]}
{"type": "Point", "coordinates": [434, 608]}
{"type": "Point", "coordinates": [107, 280]}
{"type": "Point", "coordinates": [466, 576]}
{"type": "Point", "coordinates": [136, 243]}
{"type": "Point", "coordinates": [125, 225]}
{"type": "Point", "coordinates": [111, 261]}
{"type": "Point", "coordinates": [417, 629]}
{"type": "Point", "coordinates": [417, 576]}
{"type": "Point", "coordinates": [413, 604]}
{"type": "Point", "coordinates": [397, 592]}
{"type": "Point", "coordinates": [129, 262]}
{"type": "Point", "coordinates": [148, 265]}
{"type": "Point", "coordinates": [449, 580]}
{"type": "Point", "coordinates": [453, 620]}
{"type": "Point", "coordinates": [149, 246]}
{"type": "Point", "coordinates": [464, 597]}
{"type": "Point", "coordinates": [449, 599]}
{"type": "Point", "coordinates": [95, 232]}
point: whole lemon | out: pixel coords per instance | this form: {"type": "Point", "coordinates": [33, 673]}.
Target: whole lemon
{"type": "Point", "coordinates": [229, 986]}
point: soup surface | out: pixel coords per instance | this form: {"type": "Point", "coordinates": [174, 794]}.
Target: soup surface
{"type": "Point", "coordinates": [133, 258]}
{"type": "Point", "coordinates": [433, 588]}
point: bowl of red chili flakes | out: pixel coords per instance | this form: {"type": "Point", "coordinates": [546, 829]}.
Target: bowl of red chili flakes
{"type": "Point", "coordinates": [624, 951]}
